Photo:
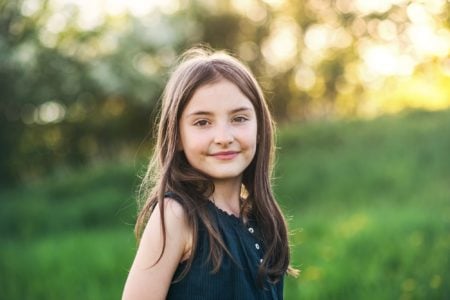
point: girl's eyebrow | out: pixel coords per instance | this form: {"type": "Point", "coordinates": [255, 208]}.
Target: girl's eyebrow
{"type": "Point", "coordinates": [242, 108]}
{"type": "Point", "coordinates": [233, 111]}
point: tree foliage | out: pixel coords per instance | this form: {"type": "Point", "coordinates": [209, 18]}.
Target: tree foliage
{"type": "Point", "coordinates": [74, 90]}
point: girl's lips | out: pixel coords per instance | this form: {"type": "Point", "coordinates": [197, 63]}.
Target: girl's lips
{"type": "Point", "coordinates": [226, 155]}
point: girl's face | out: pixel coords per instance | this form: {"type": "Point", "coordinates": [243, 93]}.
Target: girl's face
{"type": "Point", "coordinates": [218, 130]}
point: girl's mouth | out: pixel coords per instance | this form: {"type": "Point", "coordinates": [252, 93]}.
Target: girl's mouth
{"type": "Point", "coordinates": [225, 155]}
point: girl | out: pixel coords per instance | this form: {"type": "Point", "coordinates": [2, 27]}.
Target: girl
{"type": "Point", "coordinates": [210, 227]}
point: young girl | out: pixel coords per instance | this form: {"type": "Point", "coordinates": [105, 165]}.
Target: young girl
{"type": "Point", "coordinates": [210, 227]}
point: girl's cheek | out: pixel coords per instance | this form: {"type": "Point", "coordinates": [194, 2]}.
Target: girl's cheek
{"type": "Point", "coordinates": [252, 135]}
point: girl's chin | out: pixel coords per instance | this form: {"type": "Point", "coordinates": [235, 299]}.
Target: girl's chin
{"type": "Point", "coordinates": [226, 176]}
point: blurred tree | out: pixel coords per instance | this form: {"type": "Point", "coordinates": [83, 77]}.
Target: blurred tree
{"type": "Point", "coordinates": [79, 81]}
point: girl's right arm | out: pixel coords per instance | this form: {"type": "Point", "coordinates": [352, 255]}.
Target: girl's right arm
{"type": "Point", "coordinates": [146, 279]}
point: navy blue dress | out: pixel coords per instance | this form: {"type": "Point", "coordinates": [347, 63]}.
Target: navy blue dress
{"type": "Point", "coordinates": [237, 277]}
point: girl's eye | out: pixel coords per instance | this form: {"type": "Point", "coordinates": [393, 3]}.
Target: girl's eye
{"type": "Point", "coordinates": [240, 119]}
{"type": "Point", "coordinates": [201, 123]}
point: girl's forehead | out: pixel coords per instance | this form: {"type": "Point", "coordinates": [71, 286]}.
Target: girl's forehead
{"type": "Point", "coordinates": [222, 95]}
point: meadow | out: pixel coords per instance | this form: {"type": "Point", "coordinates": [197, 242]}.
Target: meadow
{"type": "Point", "coordinates": [368, 206]}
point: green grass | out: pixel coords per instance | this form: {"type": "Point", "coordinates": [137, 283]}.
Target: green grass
{"type": "Point", "coordinates": [368, 204]}
{"type": "Point", "coordinates": [68, 237]}
{"type": "Point", "coordinates": [90, 264]}
{"type": "Point", "coordinates": [370, 207]}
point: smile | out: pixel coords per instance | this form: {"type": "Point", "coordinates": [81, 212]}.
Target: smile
{"type": "Point", "coordinates": [225, 155]}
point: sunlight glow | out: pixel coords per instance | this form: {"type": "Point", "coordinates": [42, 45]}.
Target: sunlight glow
{"type": "Point", "coordinates": [317, 36]}
{"type": "Point", "coordinates": [387, 60]}
{"type": "Point", "coordinates": [251, 9]}
{"type": "Point", "coordinates": [446, 67]}
{"type": "Point", "coordinates": [392, 38]}
{"type": "Point", "coordinates": [92, 13]}
{"type": "Point", "coordinates": [427, 41]}
{"type": "Point", "coordinates": [248, 51]}
{"type": "Point", "coordinates": [367, 7]}
{"type": "Point", "coordinates": [387, 30]}
{"type": "Point", "coordinates": [51, 112]}
{"type": "Point", "coordinates": [280, 49]}
{"type": "Point", "coordinates": [419, 94]}
{"type": "Point", "coordinates": [341, 38]}
{"type": "Point", "coordinates": [380, 6]}
{"type": "Point", "coordinates": [436, 6]}
{"type": "Point", "coordinates": [323, 36]}
{"type": "Point", "coordinates": [418, 14]}
{"type": "Point", "coordinates": [345, 6]}
{"type": "Point", "coordinates": [30, 7]}
{"type": "Point", "coordinates": [305, 78]}
{"type": "Point", "coordinates": [56, 23]}
{"type": "Point", "coordinates": [275, 3]}
{"type": "Point", "coordinates": [47, 38]}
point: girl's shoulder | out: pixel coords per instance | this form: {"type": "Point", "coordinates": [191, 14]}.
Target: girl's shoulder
{"type": "Point", "coordinates": [174, 202]}
{"type": "Point", "coordinates": [174, 208]}
{"type": "Point", "coordinates": [175, 215]}
{"type": "Point", "coordinates": [164, 243]}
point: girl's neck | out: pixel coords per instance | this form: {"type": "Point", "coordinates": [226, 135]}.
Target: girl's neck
{"type": "Point", "coordinates": [226, 195]}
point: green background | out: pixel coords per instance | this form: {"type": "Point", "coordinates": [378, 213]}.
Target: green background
{"type": "Point", "coordinates": [367, 204]}
{"type": "Point", "coordinates": [361, 94]}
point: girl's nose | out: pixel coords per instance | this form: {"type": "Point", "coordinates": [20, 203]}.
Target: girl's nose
{"type": "Point", "coordinates": [224, 135]}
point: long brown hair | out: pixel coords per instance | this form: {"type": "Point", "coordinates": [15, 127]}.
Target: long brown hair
{"type": "Point", "coordinates": [169, 171]}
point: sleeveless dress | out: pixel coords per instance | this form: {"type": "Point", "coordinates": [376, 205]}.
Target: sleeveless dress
{"type": "Point", "coordinates": [237, 277]}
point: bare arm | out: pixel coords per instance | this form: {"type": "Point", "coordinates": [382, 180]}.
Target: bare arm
{"type": "Point", "coordinates": [148, 281]}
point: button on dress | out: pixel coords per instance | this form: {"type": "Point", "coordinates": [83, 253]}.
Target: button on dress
{"type": "Point", "coordinates": [237, 277]}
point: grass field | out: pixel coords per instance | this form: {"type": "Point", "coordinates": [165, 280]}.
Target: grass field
{"type": "Point", "coordinates": [368, 204]}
